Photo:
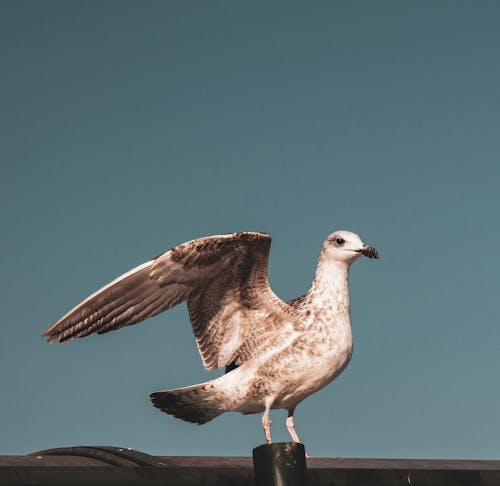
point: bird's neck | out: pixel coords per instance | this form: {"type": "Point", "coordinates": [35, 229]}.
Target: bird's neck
{"type": "Point", "coordinates": [330, 287]}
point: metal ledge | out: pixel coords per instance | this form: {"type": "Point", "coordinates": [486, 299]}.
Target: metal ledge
{"type": "Point", "coordinates": [121, 466]}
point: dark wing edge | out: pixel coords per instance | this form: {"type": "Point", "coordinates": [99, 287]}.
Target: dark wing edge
{"type": "Point", "coordinates": [127, 300]}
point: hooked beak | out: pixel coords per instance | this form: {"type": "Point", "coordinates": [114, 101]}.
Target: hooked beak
{"type": "Point", "coordinates": [369, 252]}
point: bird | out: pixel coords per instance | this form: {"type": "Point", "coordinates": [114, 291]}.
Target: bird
{"type": "Point", "coordinates": [275, 353]}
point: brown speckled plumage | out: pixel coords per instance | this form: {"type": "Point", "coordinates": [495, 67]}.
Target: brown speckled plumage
{"type": "Point", "coordinates": [277, 352]}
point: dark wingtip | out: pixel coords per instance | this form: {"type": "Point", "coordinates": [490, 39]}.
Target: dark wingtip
{"type": "Point", "coordinates": [50, 338]}
{"type": "Point", "coordinates": [53, 337]}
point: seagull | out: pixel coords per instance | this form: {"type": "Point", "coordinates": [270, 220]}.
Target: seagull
{"type": "Point", "coordinates": [275, 353]}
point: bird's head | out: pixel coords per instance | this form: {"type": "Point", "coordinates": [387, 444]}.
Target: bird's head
{"type": "Point", "coordinates": [346, 247]}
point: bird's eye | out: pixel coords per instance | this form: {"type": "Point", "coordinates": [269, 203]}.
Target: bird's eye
{"type": "Point", "coordinates": [339, 241]}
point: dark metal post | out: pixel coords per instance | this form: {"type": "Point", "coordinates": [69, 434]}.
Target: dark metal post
{"type": "Point", "coordinates": [280, 464]}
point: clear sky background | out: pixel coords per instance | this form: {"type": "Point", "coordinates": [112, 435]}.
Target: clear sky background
{"type": "Point", "coordinates": [130, 127]}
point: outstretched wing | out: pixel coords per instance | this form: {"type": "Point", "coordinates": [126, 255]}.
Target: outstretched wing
{"type": "Point", "coordinates": [224, 280]}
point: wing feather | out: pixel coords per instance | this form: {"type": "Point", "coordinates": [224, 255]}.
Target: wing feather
{"type": "Point", "coordinates": [224, 280]}
{"type": "Point", "coordinates": [119, 312]}
{"type": "Point", "coordinates": [123, 302]}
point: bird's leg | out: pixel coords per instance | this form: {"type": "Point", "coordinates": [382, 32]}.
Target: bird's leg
{"type": "Point", "coordinates": [266, 423]}
{"type": "Point", "coordinates": [291, 426]}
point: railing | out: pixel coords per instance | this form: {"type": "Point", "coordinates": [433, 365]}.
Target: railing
{"type": "Point", "coordinates": [277, 465]}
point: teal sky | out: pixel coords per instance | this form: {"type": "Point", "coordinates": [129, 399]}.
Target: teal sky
{"type": "Point", "coordinates": [128, 127]}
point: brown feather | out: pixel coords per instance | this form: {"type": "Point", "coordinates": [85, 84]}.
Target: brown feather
{"type": "Point", "coordinates": [224, 280]}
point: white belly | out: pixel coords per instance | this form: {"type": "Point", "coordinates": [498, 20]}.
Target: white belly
{"type": "Point", "coordinates": [292, 373]}
{"type": "Point", "coordinates": [312, 375]}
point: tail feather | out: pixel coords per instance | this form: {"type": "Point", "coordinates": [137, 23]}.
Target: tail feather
{"type": "Point", "coordinates": [197, 404]}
